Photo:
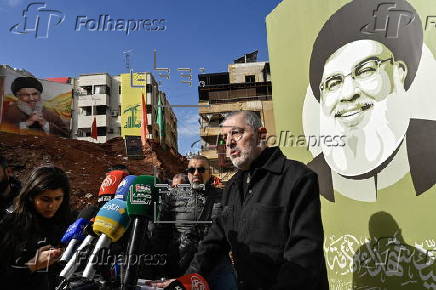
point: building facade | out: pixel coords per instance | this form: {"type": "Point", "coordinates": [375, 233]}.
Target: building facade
{"type": "Point", "coordinates": [246, 86]}
{"type": "Point", "coordinates": [115, 102]}
{"type": "Point", "coordinates": [96, 96]}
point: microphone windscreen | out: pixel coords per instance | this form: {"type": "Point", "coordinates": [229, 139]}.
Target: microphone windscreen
{"type": "Point", "coordinates": [110, 183]}
{"type": "Point", "coordinates": [75, 231]}
{"type": "Point", "coordinates": [112, 220]}
{"type": "Point", "coordinates": [123, 188]}
{"type": "Point", "coordinates": [189, 282]}
{"type": "Point", "coordinates": [141, 197]}
{"type": "Point", "coordinates": [175, 285]}
{"type": "Point", "coordinates": [88, 212]}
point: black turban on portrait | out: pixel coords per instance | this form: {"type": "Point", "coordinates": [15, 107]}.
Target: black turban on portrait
{"type": "Point", "coordinates": [25, 82]}
{"type": "Point", "coordinates": [393, 23]}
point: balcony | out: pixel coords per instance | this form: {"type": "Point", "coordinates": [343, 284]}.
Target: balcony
{"type": "Point", "coordinates": [86, 121]}
{"type": "Point", "coordinates": [210, 154]}
{"type": "Point", "coordinates": [210, 131]}
{"type": "Point", "coordinates": [94, 100]}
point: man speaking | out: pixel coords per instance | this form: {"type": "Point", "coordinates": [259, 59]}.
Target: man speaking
{"type": "Point", "coordinates": [271, 220]}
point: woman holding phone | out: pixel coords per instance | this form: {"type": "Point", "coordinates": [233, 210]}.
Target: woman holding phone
{"type": "Point", "coordinates": [29, 236]}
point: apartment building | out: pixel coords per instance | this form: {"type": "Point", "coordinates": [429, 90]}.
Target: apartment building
{"type": "Point", "coordinates": [115, 102]}
{"type": "Point", "coordinates": [246, 86]}
{"type": "Point", "coordinates": [161, 119]}
{"type": "Point", "coordinates": [96, 96]}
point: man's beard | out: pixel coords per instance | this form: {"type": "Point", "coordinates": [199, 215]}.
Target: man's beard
{"type": "Point", "coordinates": [197, 185]}
{"type": "Point", "coordinates": [370, 143]}
{"type": "Point", "coordinates": [27, 109]}
{"type": "Point", "coordinates": [247, 156]}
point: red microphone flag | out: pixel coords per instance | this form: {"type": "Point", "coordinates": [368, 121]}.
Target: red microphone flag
{"type": "Point", "coordinates": [110, 183]}
{"type": "Point", "coordinates": [189, 282]}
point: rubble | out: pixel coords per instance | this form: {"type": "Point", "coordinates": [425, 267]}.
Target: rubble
{"type": "Point", "coordinates": [84, 162]}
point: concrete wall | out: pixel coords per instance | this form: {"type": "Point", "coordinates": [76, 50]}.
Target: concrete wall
{"type": "Point", "coordinates": [238, 71]}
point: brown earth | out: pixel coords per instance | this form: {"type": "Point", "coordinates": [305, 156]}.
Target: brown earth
{"type": "Point", "coordinates": [85, 163]}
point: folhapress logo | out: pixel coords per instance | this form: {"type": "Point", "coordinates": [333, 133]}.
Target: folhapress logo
{"type": "Point", "coordinates": [38, 20]}
{"type": "Point", "coordinates": [106, 23]}
{"type": "Point", "coordinates": [389, 20]}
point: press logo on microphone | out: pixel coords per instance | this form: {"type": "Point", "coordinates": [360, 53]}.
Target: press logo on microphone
{"type": "Point", "coordinates": [108, 181]}
{"type": "Point", "coordinates": [112, 207]}
{"type": "Point", "coordinates": [141, 194]}
{"type": "Point", "coordinates": [197, 284]}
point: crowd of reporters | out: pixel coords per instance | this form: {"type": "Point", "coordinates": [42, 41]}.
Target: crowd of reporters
{"type": "Point", "coordinates": [39, 229]}
{"type": "Point", "coordinates": [265, 226]}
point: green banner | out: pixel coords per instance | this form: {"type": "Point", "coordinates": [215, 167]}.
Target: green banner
{"type": "Point", "coordinates": [354, 98]}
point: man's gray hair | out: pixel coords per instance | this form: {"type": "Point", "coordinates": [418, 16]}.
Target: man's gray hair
{"type": "Point", "coordinates": [251, 118]}
{"type": "Point", "coordinates": [200, 157]}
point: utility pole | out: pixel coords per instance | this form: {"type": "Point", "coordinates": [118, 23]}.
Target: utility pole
{"type": "Point", "coordinates": [127, 54]}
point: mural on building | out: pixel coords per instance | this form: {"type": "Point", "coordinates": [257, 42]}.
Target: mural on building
{"type": "Point", "coordinates": [362, 70]}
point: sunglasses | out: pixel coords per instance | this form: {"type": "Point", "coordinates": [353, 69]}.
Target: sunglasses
{"type": "Point", "coordinates": [193, 169]}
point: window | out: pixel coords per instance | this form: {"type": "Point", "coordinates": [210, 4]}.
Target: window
{"type": "Point", "coordinates": [84, 132]}
{"type": "Point", "coordinates": [101, 89]}
{"type": "Point", "coordinates": [250, 79]}
{"type": "Point", "coordinates": [100, 110]}
{"type": "Point", "coordinates": [86, 111]}
{"type": "Point", "coordinates": [101, 131]}
{"type": "Point", "coordinates": [87, 89]}
{"type": "Point", "coordinates": [149, 88]}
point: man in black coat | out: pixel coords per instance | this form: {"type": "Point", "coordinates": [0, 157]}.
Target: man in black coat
{"type": "Point", "coordinates": [187, 212]}
{"type": "Point", "coordinates": [9, 186]}
{"type": "Point", "coordinates": [271, 220]}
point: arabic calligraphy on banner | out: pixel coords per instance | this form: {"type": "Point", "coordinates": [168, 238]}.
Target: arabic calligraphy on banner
{"type": "Point", "coordinates": [386, 262]}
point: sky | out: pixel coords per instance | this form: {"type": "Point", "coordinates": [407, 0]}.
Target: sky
{"type": "Point", "coordinates": [192, 34]}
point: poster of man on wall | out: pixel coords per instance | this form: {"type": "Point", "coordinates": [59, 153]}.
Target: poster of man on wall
{"type": "Point", "coordinates": [34, 106]}
{"type": "Point", "coordinates": [362, 69]}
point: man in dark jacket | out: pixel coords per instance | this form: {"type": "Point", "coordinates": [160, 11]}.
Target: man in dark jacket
{"type": "Point", "coordinates": [9, 186]}
{"type": "Point", "coordinates": [271, 219]}
{"type": "Point", "coordinates": [190, 210]}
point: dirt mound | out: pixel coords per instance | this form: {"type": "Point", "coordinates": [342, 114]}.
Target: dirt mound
{"type": "Point", "coordinates": [85, 162]}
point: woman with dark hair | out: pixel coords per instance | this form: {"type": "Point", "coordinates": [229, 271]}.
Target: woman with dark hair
{"type": "Point", "coordinates": [28, 235]}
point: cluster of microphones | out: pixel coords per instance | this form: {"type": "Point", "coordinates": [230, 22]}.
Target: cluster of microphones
{"type": "Point", "coordinates": [127, 204]}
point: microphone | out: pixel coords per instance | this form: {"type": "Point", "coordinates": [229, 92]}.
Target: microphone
{"type": "Point", "coordinates": [75, 232]}
{"type": "Point", "coordinates": [140, 203]}
{"type": "Point", "coordinates": [189, 282]}
{"type": "Point", "coordinates": [106, 193]}
{"type": "Point", "coordinates": [109, 186]}
{"type": "Point", "coordinates": [81, 253]}
{"type": "Point", "coordinates": [123, 187]}
{"type": "Point", "coordinates": [110, 223]}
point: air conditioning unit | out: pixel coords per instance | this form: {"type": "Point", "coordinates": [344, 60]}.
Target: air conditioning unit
{"type": "Point", "coordinates": [115, 113]}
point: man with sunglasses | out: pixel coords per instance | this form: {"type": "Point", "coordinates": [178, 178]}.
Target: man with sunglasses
{"type": "Point", "coordinates": [361, 80]}
{"type": "Point", "coordinates": [190, 210]}
{"type": "Point", "coordinates": [29, 113]}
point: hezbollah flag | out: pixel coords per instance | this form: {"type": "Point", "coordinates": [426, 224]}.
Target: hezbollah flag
{"type": "Point", "coordinates": [161, 120]}
{"type": "Point", "coordinates": [144, 122]}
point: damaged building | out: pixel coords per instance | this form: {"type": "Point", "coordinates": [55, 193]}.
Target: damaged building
{"type": "Point", "coordinates": [246, 86]}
